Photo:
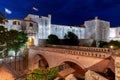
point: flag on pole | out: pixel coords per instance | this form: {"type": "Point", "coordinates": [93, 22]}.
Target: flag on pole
{"type": "Point", "coordinates": [8, 11]}
{"type": "Point", "coordinates": [34, 8]}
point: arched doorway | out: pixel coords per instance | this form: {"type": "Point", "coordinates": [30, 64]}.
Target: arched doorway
{"type": "Point", "coordinates": [40, 62]}
{"type": "Point", "coordinates": [30, 42]}
{"type": "Point", "coordinates": [68, 67]}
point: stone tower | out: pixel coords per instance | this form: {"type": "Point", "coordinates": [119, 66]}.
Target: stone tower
{"type": "Point", "coordinates": [44, 25]}
{"type": "Point", "coordinates": [97, 29]}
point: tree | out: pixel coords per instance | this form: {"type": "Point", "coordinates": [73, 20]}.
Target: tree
{"type": "Point", "coordinates": [114, 44]}
{"type": "Point", "coordinates": [3, 36]}
{"type": "Point", "coordinates": [52, 39]}
{"type": "Point", "coordinates": [71, 39]}
{"type": "Point", "coordinates": [16, 40]}
{"type": "Point", "coordinates": [39, 74]}
{"type": "Point", "coordinates": [3, 40]}
{"type": "Point", "coordinates": [101, 43]}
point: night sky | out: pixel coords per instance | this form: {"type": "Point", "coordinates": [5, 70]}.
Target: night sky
{"type": "Point", "coordinates": [66, 12]}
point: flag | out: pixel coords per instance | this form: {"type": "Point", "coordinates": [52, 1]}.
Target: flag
{"type": "Point", "coordinates": [34, 8]}
{"type": "Point", "coordinates": [8, 11]}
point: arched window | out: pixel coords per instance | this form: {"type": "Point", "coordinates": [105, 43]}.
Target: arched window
{"type": "Point", "coordinates": [31, 24]}
{"type": "Point", "coordinates": [14, 22]}
{"type": "Point", "coordinates": [18, 23]}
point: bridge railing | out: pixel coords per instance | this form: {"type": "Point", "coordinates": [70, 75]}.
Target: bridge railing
{"type": "Point", "coordinates": [82, 48]}
{"type": "Point", "coordinates": [76, 52]}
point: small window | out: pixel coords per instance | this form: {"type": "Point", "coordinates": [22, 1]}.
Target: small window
{"type": "Point", "coordinates": [31, 25]}
{"type": "Point", "coordinates": [14, 22]}
{"type": "Point", "coordinates": [18, 23]}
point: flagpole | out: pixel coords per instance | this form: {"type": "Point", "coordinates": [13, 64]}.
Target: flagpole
{"type": "Point", "coordinates": [5, 13]}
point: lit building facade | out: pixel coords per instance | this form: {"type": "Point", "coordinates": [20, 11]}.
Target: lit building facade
{"type": "Point", "coordinates": [27, 26]}
{"type": "Point", "coordinates": [44, 25]}
{"type": "Point", "coordinates": [39, 27]}
{"type": "Point", "coordinates": [61, 30]}
{"type": "Point", "coordinates": [114, 33]}
{"type": "Point", "coordinates": [97, 29]}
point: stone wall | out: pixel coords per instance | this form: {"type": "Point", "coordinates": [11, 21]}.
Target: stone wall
{"type": "Point", "coordinates": [117, 68]}
{"type": "Point", "coordinates": [86, 42]}
{"type": "Point", "coordinates": [91, 75]}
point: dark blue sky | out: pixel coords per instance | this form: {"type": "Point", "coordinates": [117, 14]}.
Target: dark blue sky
{"type": "Point", "coordinates": [67, 12]}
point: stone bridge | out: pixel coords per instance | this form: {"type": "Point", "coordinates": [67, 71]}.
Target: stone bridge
{"type": "Point", "coordinates": [87, 58]}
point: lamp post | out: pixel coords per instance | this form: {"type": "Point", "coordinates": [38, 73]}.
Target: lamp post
{"type": "Point", "coordinates": [111, 48]}
{"type": "Point", "coordinates": [10, 57]}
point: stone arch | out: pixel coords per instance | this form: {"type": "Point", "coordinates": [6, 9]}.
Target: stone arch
{"type": "Point", "coordinates": [70, 64]}
{"type": "Point", "coordinates": [73, 61]}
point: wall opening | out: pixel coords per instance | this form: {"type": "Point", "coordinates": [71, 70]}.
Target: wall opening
{"type": "Point", "coordinates": [30, 42]}
{"type": "Point", "coordinates": [68, 67]}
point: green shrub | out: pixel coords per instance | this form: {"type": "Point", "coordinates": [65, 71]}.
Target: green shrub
{"type": "Point", "coordinates": [52, 39]}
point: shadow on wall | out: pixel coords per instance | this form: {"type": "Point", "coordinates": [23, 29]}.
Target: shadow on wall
{"type": "Point", "coordinates": [87, 42]}
{"type": "Point", "coordinates": [42, 42]}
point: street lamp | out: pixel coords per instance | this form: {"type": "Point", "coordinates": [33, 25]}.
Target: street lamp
{"type": "Point", "coordinates": [111, 46]}
{"type": "Point", "coordinates": [11, 58]}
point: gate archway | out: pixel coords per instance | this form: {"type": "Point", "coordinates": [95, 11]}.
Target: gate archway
{"type": "Point", "coordinates": [30, 42]}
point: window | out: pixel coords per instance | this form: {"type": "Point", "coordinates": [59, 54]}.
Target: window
{"type": "Point", "coordinates": [31, 25]}
{"type": "Point", "coordinates": [14, 22]}
{"type": "Point", "coordinates": [18, 23]}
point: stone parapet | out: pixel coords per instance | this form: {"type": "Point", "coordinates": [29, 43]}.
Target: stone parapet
{"type": "Point", "coordinates": [94, 49]}
{"type": "Point", "coordinates": [75, 52]}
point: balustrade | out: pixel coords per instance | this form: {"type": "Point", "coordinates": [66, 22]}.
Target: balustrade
{"type": "Point", "coordinates": [83, 51]}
